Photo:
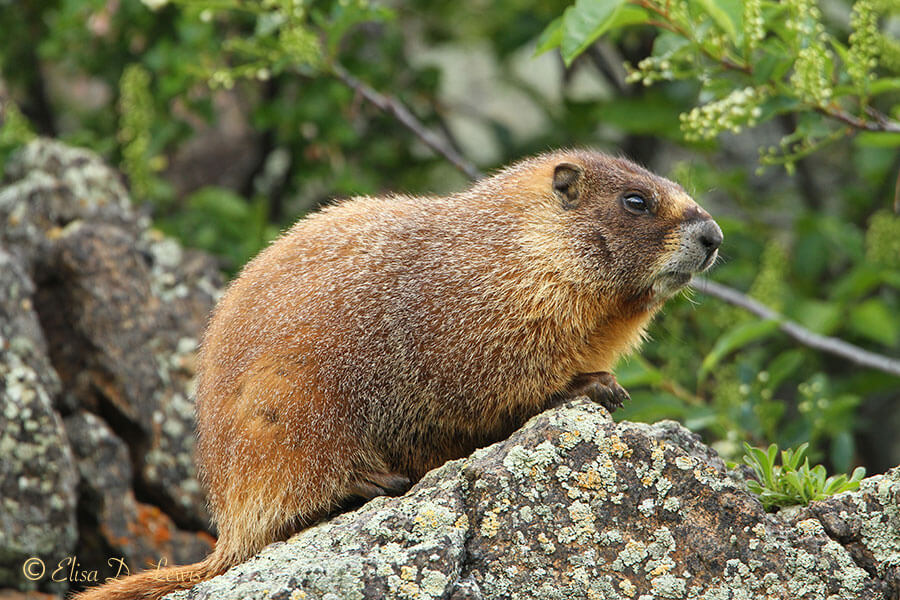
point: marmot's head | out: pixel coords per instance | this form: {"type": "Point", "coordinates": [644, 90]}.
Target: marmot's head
{"type": "Point", "coordinates": [640, 235]}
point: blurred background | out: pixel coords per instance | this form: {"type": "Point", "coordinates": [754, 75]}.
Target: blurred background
{"type": "Point", "coordinates": [231, 119]}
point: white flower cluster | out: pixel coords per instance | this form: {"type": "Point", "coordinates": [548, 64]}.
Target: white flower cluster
{"type": "Point", "coordinates": [805, 18]}
{"type": "Point", "coordinates": [155, 4]}
{"type": "Point", "coordinates": [810, 78]}
{"type": "Point", "coordinates": [732, 113]}
{"type": "Point", "coordinates": [300, 43]}
{"type": "Point", "coordinates": [677, 11]}
{"type": "Point", "coordinates": [865, 42]}
{"type": "Point", "coordinates": [222, 79]}
{"type": "Point", "coordinates": [754, 24]}
{"type": "Point", "coordinates": [651, 70]}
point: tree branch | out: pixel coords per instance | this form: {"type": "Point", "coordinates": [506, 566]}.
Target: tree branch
{"type": "Point", "coordinates": [880, 123]}
{"type": "Point", "coordinates": [396, 109]}
{"type": "Point", "coordinates": [797, 332]}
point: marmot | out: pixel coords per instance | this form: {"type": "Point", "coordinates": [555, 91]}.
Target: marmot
{"type": "Point", "coordinates": [380, 337]}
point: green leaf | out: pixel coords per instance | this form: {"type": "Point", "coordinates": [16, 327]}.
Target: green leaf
{"type": "Point", "coordinates": [834, 484]}
{"type": "Point", "coordinates": [878, 139]}
{"type": "Point", "coordinates": [651, 407]}
{"type": "Point", "coordinates": [887, 84]}
{"type": "Point", "coordinates": [842, 450]}
{"type": "Point", "coordinates": [636, 371]}
{"type": "Point", "coordinates": [874, 321]}
{"type": "Point", "coordinates": [551, 37]}
{"type": "Point", "coordinates": [587, 20]}
{"type": "Point", "coordinates": [771, 453]}
{"type": "Point", "coordinates": [783, 366]}
{"type": "Point", "coordinates": [856, 284]}
{"type": "Point", "coordinates": [792, 478]}
{"type": "Point", "coordinates": [580, 21]}
{"type": "Point", "coordinates": [736, 338]}
{"type": "Point", "coordinates": [791, 457]}
{"type": "Point", "coordinates": [669, 42]}
{"type": "Point", "coordinates": [728, 15]}
{"type": "Point", "coordinates": [698, 418]}
{"type": "Point", "coordinates": [821, 317]}
{"type": "Point", "coordinates": [818, 476]}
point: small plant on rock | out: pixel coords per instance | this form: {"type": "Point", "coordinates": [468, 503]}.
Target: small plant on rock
{"type": "Point", "coordinates": [794, 481]}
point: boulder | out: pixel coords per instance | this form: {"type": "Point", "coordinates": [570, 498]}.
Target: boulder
{"type": "Point", "coordinates": [100, 321]}
{"type": "Point", "coordinates": [574, 505]}
{"type": "Point", "coordinates": [38, 476]}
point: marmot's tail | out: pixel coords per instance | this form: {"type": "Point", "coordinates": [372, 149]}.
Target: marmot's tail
{"type": "Point", "coordinates": [154, 584]}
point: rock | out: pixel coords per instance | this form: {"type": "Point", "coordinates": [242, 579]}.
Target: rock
{"type": "Point", "coordinates": [121, 306]}
{"type": "Point", "coordinates": [100, 318]}
{"type": "Point", "coordinates": [867, 524]}
{"type": "Point", "coordinates": [101, 314]}
{"type": "Point", "coordinates": [574, 505]}
{"type": "Point", "coordinates": [37, 472]}
{"type": "Point", "coordinates": [49, 185]}
{"type": "Point", "coordinates": [138, 533]}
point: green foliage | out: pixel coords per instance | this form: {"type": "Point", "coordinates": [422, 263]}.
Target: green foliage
{"type": "Point", "coordinates": [755, 60]}
{"type": "Point", "coordinates": [221, 222]}
{"type": "Point", "coordinates": [793, 481]}
{"type": "Point", "coordinates": [136, 119]}
{"type": "Point", "coordinates": [14, 130]}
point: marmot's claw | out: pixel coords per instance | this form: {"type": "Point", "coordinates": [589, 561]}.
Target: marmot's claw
{"type": "Point", "coordinates": [602, 388]}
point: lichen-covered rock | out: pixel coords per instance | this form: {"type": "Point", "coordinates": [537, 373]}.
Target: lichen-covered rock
{"type": "Point", "coordinates": [100, 319]}
{"type": "Point", "coordinates": [572, 506]}
{"type": "Point", "coordinates": [121, 306]}
{"type": "Point", "coordinates": [867, 524]}
{"type": "Point", "coordinates": [101, 314]}
{"type": "Point", "coordinates": [138, 533]}
{"type": "Point", "coordinates": [37, 470]}
{"type": "Point", "coordinates": [48, 185]}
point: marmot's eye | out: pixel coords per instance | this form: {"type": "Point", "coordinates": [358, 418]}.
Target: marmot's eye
{"type": "Point", "coordinates": [635, 203]}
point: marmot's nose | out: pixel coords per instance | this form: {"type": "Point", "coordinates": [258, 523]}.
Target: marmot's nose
{"type": "Point", "coordinates": [710, 235]}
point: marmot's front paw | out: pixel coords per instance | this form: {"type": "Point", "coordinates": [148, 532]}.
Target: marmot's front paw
{"type": "Point", "coordinates": [602, 388]}
{"type": "Point", "coordinates": [374, 484]}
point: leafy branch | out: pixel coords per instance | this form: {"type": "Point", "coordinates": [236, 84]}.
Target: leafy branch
{"type": "Point", "coordinates": [754, 60]}
{"type": "Point", "coordinates": [796, 331]}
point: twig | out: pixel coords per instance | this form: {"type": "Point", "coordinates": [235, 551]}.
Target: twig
{"type": "Point", "coordinates": [881, 123]}
{"type": "Point", "coordinates": [393, 107]}
{"type": "Point", "coordinates": [797, 332]}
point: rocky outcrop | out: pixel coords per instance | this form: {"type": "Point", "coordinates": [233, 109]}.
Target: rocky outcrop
{"type": "Point", "coordinates": [574, 505]}
{"type": "Point", "coordinates": [99, 325]}
{"type": "Point", "coordinates": [38, 476]}
{"type": "Point", "coordinates": [99, 321]}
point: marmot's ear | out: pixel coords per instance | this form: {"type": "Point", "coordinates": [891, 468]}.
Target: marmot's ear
{"type": "Point", "coordinates": [567, 183]}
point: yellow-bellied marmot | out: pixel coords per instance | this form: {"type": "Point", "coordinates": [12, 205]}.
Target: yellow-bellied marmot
{"type": "Point", "coordinates": [381, 337]}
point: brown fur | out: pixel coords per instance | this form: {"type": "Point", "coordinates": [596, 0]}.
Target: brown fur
{"type": "Point", "coordinates": [381, 337]}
